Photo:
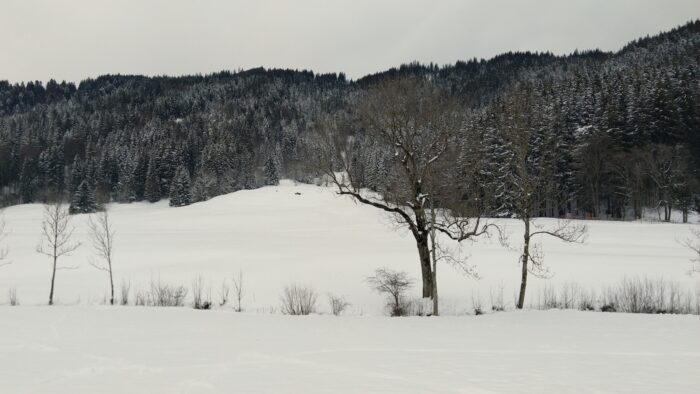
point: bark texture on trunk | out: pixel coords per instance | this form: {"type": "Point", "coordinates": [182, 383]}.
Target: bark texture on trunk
{"type": "Point", "coordinates": [426, 269]}
{"type": "Point", "coordinates": [524, 260]}
{"type": "Point", "coordinates": [111, 285]}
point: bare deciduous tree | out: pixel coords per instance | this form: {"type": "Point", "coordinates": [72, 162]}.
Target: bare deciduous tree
{"type": "Point", "coordinates": [55, 241]}
{"type": "Point", "coordinates": [423, 129]}
{"type": "Point", "coordinates": [394, 284]}
{"type": "Point", "coordinates": [102, 237]}
{"type": "Point", "coordinates": [527, 170]}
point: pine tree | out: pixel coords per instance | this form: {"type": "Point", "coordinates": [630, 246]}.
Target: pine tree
{"type": "Point", "coordinates": [180, 192]}
{"type": "Point", "coordinates": [83, 200]}
{"type": "Point", "coordinates": [152, 191]}
{"type": "Point", "coordinates": [27, 184]}
{"type": "Point", "coordinates": [271, 173]}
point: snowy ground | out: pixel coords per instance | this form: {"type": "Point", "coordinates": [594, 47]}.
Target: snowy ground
{"type": "Point", "coordinates": [177, 350]}
{"type": "Point", "coordinates": [275, 237]}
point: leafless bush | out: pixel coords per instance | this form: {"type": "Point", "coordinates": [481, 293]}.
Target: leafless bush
{"type": "Point", "coordinates": [239, 290]}
{"type": "Point", "coordinates": [640, 295]}
{"type": "Point", "coordinates": [570, 295]}
{"type": "Point", "coordinates": [476, 305]}
{"type": "Point", "coordinates": [497, 303]}
{"type": "Point", "coordinates": [418, 307]}
{"type": "Point", "coordinates": [223, 293]}
{"type": "Point", "coordinates": [141, 298]}
{"type": "Point", "coordinates": [162, 294]}
{"type": "Point", "coordinates": [394, 284]}
{"type": "Point", "coordinates": [125, 289]}
{"type": "Point", "coordinates": [587, 301]}
{"type": "Point", "coordinates": [630, 295]}
{"type": "Point", "coordinates": [12, 296]}
{"type": "Point", "coordinates": [298, 300]}
{"type": "Point", "coordinates": [201, 297]}
{"type": "Point", "coordinates": [338, 304]}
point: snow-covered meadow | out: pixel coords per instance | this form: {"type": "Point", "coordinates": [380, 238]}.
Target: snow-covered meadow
{"type": "Point", "coordinates": [307, 234]}
{"type": "Point", "coordinates": [180, 350]}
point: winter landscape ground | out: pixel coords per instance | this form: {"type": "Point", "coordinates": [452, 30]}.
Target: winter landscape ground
{"type": "Point", "coordinates": [311, 236]}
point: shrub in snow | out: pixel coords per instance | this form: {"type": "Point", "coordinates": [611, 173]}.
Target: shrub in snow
{"type": "Point", "coordinates": [239, 290]}
{"type": "Point", "coordinates": [497, 303]}
{"type": "Point", "coordinates": [630, 295]}
{"type": "Point", "coordinates": [12, 296]}
{"type": "Point", "coordinates": [298, 300]}
{"type": "Point", "coordinates": [223, 293]}
{"type": "Point", "coordinates": [166, 295]}
{"type": "Point", "coordinates": [201, 298]}
{"type": "Point", "coordinates": [124, 292]}
{"type": "Point", "coordinates": [394, 284]}
{"type": "Point", "coordinates": [418, 307]}
{"type": "Point", "coordinates": [338, 304]}
{"type": "Point", "coordinates": [476, 305]}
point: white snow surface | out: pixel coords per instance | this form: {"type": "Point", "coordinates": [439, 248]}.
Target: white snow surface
{"type": "Point", "coordinates": [275, 237]}
{"type": "Point", "coordinates": [97, 349]}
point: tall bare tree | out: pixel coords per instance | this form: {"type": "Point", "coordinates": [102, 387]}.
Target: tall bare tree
{"type": "Point", "coordinates": [55, 242]}
{"type": "Point", "coordinates": [102, 237]}
{"type": "Point", "coordinates": [421, 129]}
{"type": "Point", "coordinates": [526, 172]}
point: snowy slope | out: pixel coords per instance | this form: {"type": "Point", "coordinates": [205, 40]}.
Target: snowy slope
{"type": "Point", "coordinates": [275, 236]}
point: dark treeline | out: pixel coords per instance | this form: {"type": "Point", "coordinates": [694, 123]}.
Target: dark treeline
{"type": "Point", "coordinates": [608, 134]}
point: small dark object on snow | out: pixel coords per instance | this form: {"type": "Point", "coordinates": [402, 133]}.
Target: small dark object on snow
{"type": "Point", "coordinates": [297, 194]}
{"type": "Point", "coordinates": [608, 308]}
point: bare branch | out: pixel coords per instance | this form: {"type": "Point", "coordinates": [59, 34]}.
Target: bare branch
{"type": "Point", "coordinates": [566, 230]}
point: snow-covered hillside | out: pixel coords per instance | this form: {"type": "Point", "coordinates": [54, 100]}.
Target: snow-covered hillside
{"type": "Point", "coordinates": [307, 234]}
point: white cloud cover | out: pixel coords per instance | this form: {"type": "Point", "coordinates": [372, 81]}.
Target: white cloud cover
{"type": "Point", "coordinates": [76, 39]}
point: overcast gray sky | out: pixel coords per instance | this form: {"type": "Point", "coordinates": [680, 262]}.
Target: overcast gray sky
{"type": "Point", "coordinates": [75, 39]}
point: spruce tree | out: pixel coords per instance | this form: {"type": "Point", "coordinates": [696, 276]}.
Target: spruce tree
{"type": "Point", "coordinates": [83, 199]}
{"type": "Point", "coordinates": [152, 191]}
{"type": "Point", "coordinates": [271, 174]}
{"type": "Point", "coordinates": [180, 192]}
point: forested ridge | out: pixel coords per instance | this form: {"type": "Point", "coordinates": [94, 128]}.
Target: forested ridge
{"type": "Point", "coordinates": [609, 134]}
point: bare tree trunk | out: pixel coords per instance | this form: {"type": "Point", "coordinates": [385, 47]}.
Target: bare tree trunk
{"type": "Point", "coordinates": [53, 280]}
{"type": "Point", "coordinates": [434, 256]}
{"type": "Point", "coordinates": [111, 284]}
{"type": "Point", "coordinates": [425, 265]}
{"type": "Point", "coordinates": [524, 261]}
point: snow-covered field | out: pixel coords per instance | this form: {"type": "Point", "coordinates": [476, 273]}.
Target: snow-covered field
{"type": "Point", "coordinates": [177, 350]}
{"type": "Point", "coordinates": [275, 237]}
